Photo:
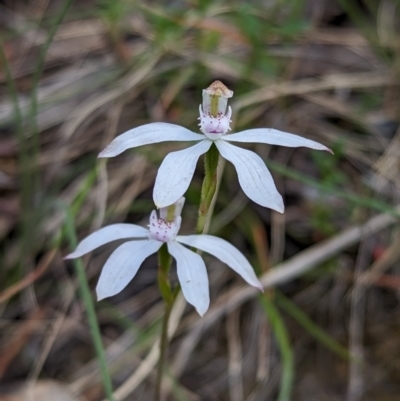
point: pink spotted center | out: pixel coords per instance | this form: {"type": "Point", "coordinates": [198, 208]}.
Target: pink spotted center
{"type": "Point", "coordinates": [161, 230]}
{"type": "Point", "coordinates": [215, 127]}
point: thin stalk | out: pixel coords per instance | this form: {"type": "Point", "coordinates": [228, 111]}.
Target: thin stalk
{"type": "Point", "coordinates": [29, 148]}
{"type": "Point", "coordinates": [285, 349]}
{"type": "Point", "coordinates": [208, 190]}
{"type": "Point", "coordinates": [164, 259]}
{"type": "Point", "coordinates": [23, 162]}
{"type": "Point", "coordinates": [209, 186]}
{"type": "Point", "coordinates": [163, 349]}
{"type": "Point", "coordinates": [90, 309]}
{"type": "Point", "coordinates": [12, 88]}
{"type": "Point", "coordinates": [164, 265]}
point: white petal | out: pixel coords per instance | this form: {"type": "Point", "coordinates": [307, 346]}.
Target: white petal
{"type": "Point", "coordinates": [192, 274]}
{"type": "Point", "coordinates": [122, 266]}
{"type": "Point", "coordinates": [106, 235]}
{"type": "Point", "coordinates": [254, 177]}
{"type": "Point", "coordinates": [225, 252]}
{"type": "Point", "coordinates": [274, 137]}
{"type": "Point", "coordinates": [146, 134]}
{"type": "Point", "coordinates": [176, 172]}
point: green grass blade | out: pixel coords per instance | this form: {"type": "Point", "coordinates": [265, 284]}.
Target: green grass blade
{"type": "Point", "coordinates": [282, 338]}
{"type": "Point", "coordinates": [332, 189]}
{"type": "Point", "coordinates": [90, 309]}
{"type": "Point", "coordinates": [310, 326]}
{"type": "Point", "coordinates": [42, 58]}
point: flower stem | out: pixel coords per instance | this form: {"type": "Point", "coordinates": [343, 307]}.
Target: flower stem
{"type": "Point", "coordinates": [164, 259]}
{"type": "Point", "coordinates": [90, 309]}
{"type": "Point", "coordinates": [164, 264]}
{"type": "Point", "coordinates": [163, 349]}
{"type": "Point", "coordinates": [209, 186]}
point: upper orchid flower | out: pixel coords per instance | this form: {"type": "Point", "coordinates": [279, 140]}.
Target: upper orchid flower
{"type": "Point", "coordinates": [124, 262]}
{"type": "Point", "coordinates": [177, 169]}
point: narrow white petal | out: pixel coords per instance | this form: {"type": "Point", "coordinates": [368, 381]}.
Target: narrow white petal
{"type": "Point", "coordinates": [146, 134]}
{"type": "Point", "coordinates": [106, 235]}
{"type": "Point", "coordinates": [192, 274]}
{"type": "Point", "coordinates": [274, 137]}
{"type": "Point", "coordinates": [176, 172]}
{"type": "Point", "coordinates": [225, 252]}
{"type": "Point", "coordinates": [122, 265]}
{"type": "Point", "coordinates": [254, 177]}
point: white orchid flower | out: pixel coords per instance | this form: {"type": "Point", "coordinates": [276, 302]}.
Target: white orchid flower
{"type": "Point", "coordinates": [177, 169]}
{"type": "Point", "coordinates": [124, 262]}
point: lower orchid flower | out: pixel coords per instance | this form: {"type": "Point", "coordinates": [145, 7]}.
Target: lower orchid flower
{"type": "Point", "coordinates": [125, 261]}
{"type": "Point", "coordinates": [177, 169]}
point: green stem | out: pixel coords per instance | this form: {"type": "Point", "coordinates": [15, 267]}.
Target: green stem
{"type": "Point", "coordinates": [163, 348]}
{"type": "Point", "coordinates": [282, 338]}
{"type": "Point", "coordinates": [209, 186]}
{"type": "Point", "coordinates": [164, 259]}
{"type": "Point", "coordinates": [164, 264]}
{"type": "Point", "coordinates": [90, 310]}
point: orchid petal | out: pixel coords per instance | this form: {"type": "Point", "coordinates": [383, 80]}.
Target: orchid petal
{"type": "Point", "coordinates": [122, 266]}
{"type": "Point", "coordinates": [192, 274]}
{"type": "Point", "coordinates": [106, 235]}
{"type": "Point", "coordinates": [254, 177]}
{"type": "Point", "coordinates": [274, 137]}
{"type": "Point", "coordinates": [176, 172]}
{"type": "Point", "coordinates": [225, 252]}
{"type": "Point", "coordinates": [147, 134]}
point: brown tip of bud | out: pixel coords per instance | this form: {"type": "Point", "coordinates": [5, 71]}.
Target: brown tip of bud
{"type": "Point", "coordinates": [217, 88]}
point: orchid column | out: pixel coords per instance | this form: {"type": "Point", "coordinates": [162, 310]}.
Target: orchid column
{"type": "Point", "coordinates": [215, 117]}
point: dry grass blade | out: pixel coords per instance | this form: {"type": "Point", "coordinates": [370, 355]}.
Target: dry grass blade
{"type": "Point", "coordinates": [235, 356]}
{"type": "Point", "coordinates": [29, 278]}
{"type": "Point", "coordinates": [356, 385]}
{"type": "Point", "coordinates": [17, 343]}
{"type": "Point", "coordinates": [301, 87]}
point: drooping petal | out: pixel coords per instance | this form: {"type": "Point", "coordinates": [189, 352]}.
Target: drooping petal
{"type": "Point", "coordinates": [254, 177]}
{"type": "Point", "coordinates": [176, 172]}
{"type": "Point", "coordinates": [122, 265]}
{"type": "Point", "coordinates": [105, 235]}
{"type": "Point", "coordinates": [192, 274]}
{"type": "Point", "coordinates": [147, 134]}
{"type": "Point", "coordinates": [225, 252]}
{"type": "Point", "coordinates": [274, 137]}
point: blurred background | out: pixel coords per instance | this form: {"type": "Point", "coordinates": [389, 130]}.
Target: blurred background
{"type": "Point", "coordinates": [74, 74]}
